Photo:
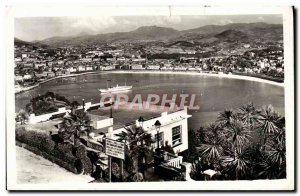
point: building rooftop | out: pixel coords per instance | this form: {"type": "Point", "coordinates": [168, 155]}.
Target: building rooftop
{"type": "Point", "coordinates": [124, 116]}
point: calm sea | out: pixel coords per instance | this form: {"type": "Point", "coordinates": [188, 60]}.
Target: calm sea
{"type": "Point", "coordinates": [213, 94]}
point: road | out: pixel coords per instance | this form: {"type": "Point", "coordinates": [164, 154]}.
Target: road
{"type": "Point", "coordinates": [34, 169]}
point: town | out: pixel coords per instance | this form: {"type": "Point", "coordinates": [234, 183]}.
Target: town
{"type": "Point", "coordinates": [35, 63]}
{"type": "Point", "coordinates": [134, 140]}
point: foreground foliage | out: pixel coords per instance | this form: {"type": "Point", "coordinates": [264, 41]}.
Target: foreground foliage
{"type": "Point", "coordinates": [245, 144]}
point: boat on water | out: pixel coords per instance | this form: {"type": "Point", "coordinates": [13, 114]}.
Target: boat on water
{"type": "Point", "coordinates": [115, 89]}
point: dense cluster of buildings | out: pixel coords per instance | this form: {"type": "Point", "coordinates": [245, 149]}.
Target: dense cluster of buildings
{"type": "Point", "coordinates": [35, 64]}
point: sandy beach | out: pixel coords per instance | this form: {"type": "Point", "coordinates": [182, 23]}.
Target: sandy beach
{"type": "Point", "coordinates": [230, 76]}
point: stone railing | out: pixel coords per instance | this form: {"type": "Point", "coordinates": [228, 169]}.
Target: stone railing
{"type": "Point", "coordinates": [173, 160]}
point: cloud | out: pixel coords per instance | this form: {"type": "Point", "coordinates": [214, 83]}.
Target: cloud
{"type": "Point", "coordinates": [37, 28]}
{"type": "Point", "coordinates": [94, 24]}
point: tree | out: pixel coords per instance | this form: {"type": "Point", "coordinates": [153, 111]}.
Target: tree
{"type": "Point", "coordinates": [75, 124]}
{"type": "Point", "coordinates": [268, 120]}
{"type": "Point", "coordinates": [248, 115]}
{"type": "Point", "coordinates": [228, 146]}
{"type": "Point", "coordinates": [237, 135]}
{"type": "Point", "coordinates": [274, 163]}
{"type": "Point", "coordinates": [239, 138]}
{"type": "Point", "coordinates": [212, 149]}
{"type": "Point", "coordinates": [225, 118]}
{"type": "Point", "coordinates": [194, 138]}
{"type": "Point", "coordinates": [138, 144]}
{"type": "Point", "coordinates": [22, 116]}
{"type": "Point", "coordinates": [239, 166]}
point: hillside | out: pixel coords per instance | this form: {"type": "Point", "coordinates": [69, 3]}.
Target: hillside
{"type": "Point", "coordinates": [208, 33]}
{"type": "Point", "coordinates": [253, 30]}
{"type": "Point", "coordinates": [148, 33]}
{"type": "Point", "coordinates": [20, 43]}
{"type": "Point", "coordinates": [232, 35]}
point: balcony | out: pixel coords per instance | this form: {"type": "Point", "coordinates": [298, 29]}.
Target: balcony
{"type": "Point", "coordinates": [173, 160]}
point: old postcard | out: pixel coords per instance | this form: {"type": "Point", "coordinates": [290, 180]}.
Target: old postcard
{"type": "Point", "coordinates": [150, 98]}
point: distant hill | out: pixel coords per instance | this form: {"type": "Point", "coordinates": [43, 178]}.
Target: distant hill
{"type": "Point", "coordinates": [208, 33]}
{"type": "Point", "coordinates": [232, 35]}
{"type": "Point", "coordinates": [253, 30]}
{"type": "Point", "coordinates": [147, 33]}
{"type": "Point", "coordinates": [19, 42]}
{"type": "Point", "coordinates": [181, 43]}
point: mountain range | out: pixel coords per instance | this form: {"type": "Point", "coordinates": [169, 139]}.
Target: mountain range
{"type": "Point", "coordinates": [209, 33]}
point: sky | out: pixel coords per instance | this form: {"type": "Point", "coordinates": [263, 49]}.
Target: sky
{"type": "Point", "coordinates": [39, 28]}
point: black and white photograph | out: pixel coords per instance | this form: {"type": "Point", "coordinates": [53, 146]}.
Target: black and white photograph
{"type": "Point", "coordinates": [175, 98]}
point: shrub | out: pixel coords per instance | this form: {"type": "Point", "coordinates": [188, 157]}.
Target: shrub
{"type": "Point", "coordinates": [80, 152]}
{"type": "Point", "coordinates": [87, 165]}
{"type": "Point", "coordinates": [42, 144]}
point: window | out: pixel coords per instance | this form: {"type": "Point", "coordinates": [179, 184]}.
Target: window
{"type": "Point", "coordinates": [176, 136]}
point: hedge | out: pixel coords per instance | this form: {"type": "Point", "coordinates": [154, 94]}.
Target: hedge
{"type": "Point", "coordinates": [62, 154]}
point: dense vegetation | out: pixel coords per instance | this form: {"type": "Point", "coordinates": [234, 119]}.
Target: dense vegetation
{"type": "Point", "coordinates": [245, 144]}
{"type": "Point", "coordinates": [47, 103]}
{"type": "Point", "coordinates": [62, 153]}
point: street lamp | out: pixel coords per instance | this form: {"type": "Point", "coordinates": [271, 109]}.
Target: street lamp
{"type": "Point", "coordinates": [141, 121]}
{"type": "Point", "coordinates": [157, 125]}
{"type": "Point", "coordinates": [83, 104]}
{"type": "Point", "coordinates": [111, 103]}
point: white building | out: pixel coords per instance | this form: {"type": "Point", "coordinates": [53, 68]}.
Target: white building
{"type": "Point", "coordinates": [72, 69]}
{"type": "Point", "coordinates": [173, 129]}
{"type": "Point", "coordinates": [81, 68]}
{"type": "Point", "coordinates": [109, 67]}
{"type": "Point", "coordinates": [136, 66]}
{"type": "Point", "coordinates": [27, 76]}
{"type": "Point", "coordinates": [89, 68]}
{"type": "Point", "coordinates": [153, 67]}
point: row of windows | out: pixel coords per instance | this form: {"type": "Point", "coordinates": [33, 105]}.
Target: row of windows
{"type": "Point", "coordinates": [176, 136]}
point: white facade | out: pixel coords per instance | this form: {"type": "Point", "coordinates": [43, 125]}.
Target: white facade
{"type": "Point", "coordinates": [89, 68]}
{"type": "Point", "coordinates": [103, 123]}
{"type": "Point", "coordinates": [153, 67]}
{"type": "Point", "coordinates": [174, 129]}
{"type": "Point", "coordinates": [136, 66]}
{"type": "Point", "coordinates": [81, 68]}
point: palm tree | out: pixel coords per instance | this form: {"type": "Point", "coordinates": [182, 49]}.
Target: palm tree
{"type": "Point", "coordinates": [239, 166]}
{"type": "Point", "coordinates": [248, 115]}
{"type": "Point", "coordinates": [76, 123]}
{"type": "Point", "coordinates": [239, 137]}
{"type": "Point", "coordinates": [271, 170]}
{"type": "Point", "coordinates": [138, 144]}
{"type": "Point", "coordinates": [276, 151]}
{"type": "Point", "coordinates": [226, 117]}
{"type": "Point", "coordinates": [268, 120]}
{"type": "Point", "coordinates": [212, 149]}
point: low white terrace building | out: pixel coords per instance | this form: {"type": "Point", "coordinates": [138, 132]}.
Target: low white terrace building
{"type": "Point", "coordinates": [173, 129]}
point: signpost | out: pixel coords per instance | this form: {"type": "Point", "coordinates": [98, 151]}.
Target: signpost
{"type": "Point", "coordinates": [115, 149]}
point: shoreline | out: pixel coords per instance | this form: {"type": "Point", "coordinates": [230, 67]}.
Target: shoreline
{"type": "Point", "coordinates": [229, 76]}
{"type": "Point", "coordinates": [54, 78]}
